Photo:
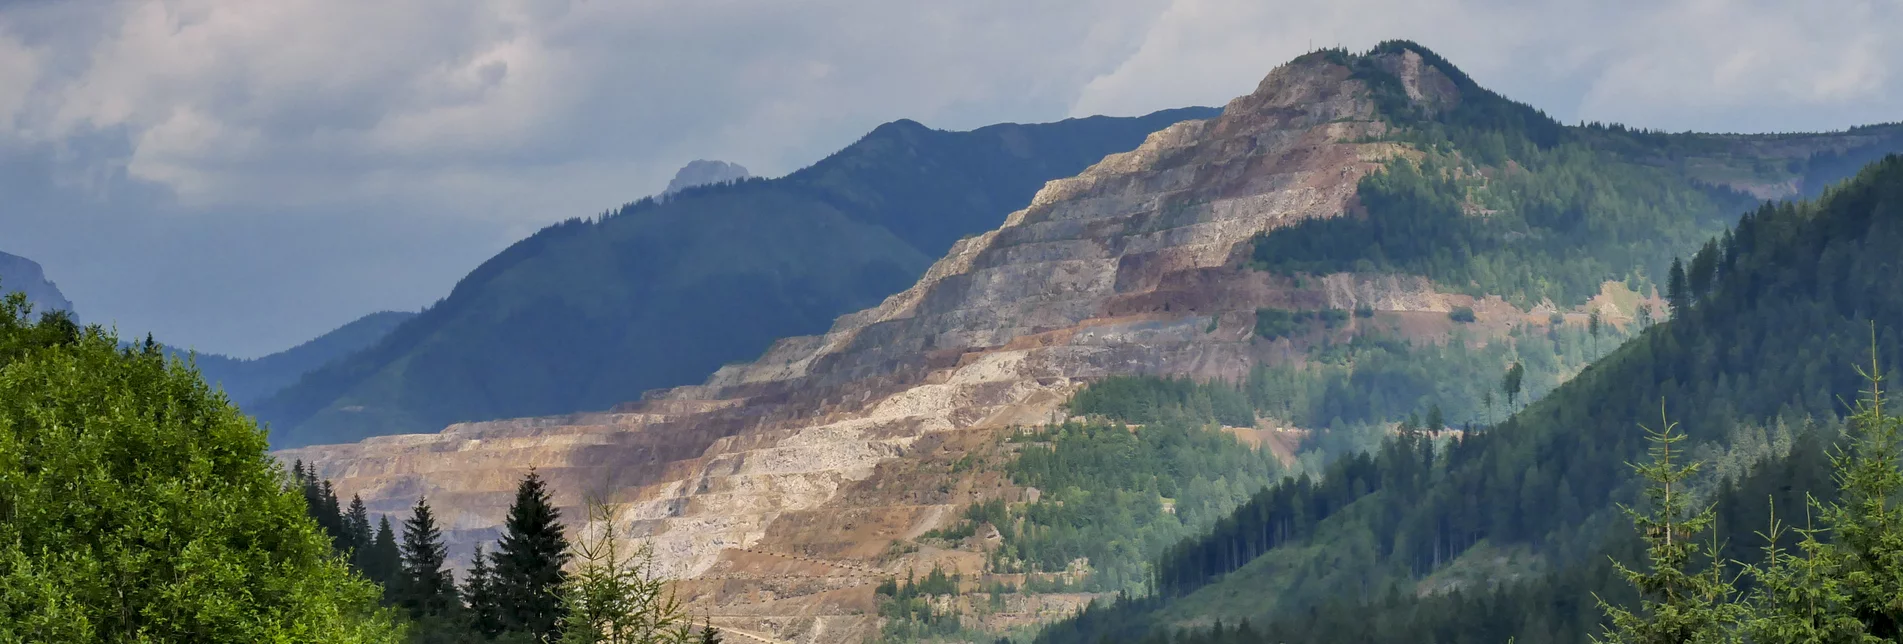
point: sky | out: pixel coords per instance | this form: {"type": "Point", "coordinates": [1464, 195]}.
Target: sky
{"type": "Point", "coordinates": [240, 176]}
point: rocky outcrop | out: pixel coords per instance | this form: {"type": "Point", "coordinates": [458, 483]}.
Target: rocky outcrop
{"type": "Point", "coordinates": [24, 275]}
{"type": "Point", "coordinates": [700, 172]}
{"type": "Point", "coordinates": [813, 452]}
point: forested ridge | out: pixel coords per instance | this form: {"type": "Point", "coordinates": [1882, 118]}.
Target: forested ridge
{"type": "Point", "coordinates": [1764, 339]}
{"type": "Point", "coordinates": [591, 312]}
{"type": "Point", "coordinates": [1504, 200]}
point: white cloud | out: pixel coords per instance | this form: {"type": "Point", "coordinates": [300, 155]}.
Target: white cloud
{"type": "Point", "coordinates": [352, 134]}
{"type": "Point", "coordinates": [1745, 65]}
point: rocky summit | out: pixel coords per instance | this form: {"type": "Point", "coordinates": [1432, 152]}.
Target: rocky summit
{"type": "Point", "coordinates": [700, 172]}
{"type": "Point", "coordinates": [776, 489]}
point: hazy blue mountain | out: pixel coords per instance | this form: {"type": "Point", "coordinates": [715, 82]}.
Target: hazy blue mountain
{"type": "Point", "coordinates": [24, 275]}
{"type": "Point", "coordinates": [659, 293]}
{"type": "Point", "coordinates": [247, 381]}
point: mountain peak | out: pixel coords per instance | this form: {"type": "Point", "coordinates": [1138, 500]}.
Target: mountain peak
{"type": "Point", "coordinates": [21, 274]}
{"type": "Point", "coordinates": [700, 172]}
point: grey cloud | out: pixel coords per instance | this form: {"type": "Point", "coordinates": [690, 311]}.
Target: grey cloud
{"type": "Point", "coordinates": [241, 175]}
{"type": "Point", "coordinates": [1726, 65]}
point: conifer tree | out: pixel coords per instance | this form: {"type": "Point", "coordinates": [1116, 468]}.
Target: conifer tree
{"type": "Point", "coordinates": [709, 634]}
{"type": "Point", "coordinates": [528, 562]}
{"type": "Point", "coordinates": [384, 560]}
{"type": "Point", "coordinates": [1676, 605]}
{"type": "Point", "coordinates": [426, 588]}
{"type": "Point", "coordinates": [1849, 588]}
{"type": "Point", "coordinates": [1511, 383]}
{"type": "Point", "coordinates": [357, 534]}
{"type": "Point", "coordinates": [1677, 292]}
{"type": "Point", "coordinates": [479, 588]}
{"type": "Point", "coordinates": [614, 595]}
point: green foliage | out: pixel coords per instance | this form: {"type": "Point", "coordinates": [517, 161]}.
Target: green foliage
{"type": "Point", "coordinates": [1794, 286]}
{"type": "Point", "coordinates": [1104, 493]}
{"type": "Point", "coordinates": [529, 561]}
{"type": "Point", "coordinates": [1676, 605]}
{"type": "Point", "coordinates": [587, 314]}
{"type": "Point", "coordinates": [1143, 399]}
{"type": "Point", "coordinates": [137, 505]}
{"type": "Point", "coordinates": [1506, 201]}
{"type": "Point", "coordinates": [614, 596]}
{"type": "Point", "coordinates": [1462, 314]}
{"type": "Point", "coordinates": [425, 587]}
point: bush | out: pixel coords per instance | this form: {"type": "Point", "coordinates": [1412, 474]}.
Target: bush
{"type": "Point", "coordinates": [1462, 314]}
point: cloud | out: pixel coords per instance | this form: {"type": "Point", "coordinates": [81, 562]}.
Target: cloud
{"type": "Point", "coordinates": [1729, 65]}
{"type": "Point", "coordinates": [240, 175]}
{"type": "Point", "coordinates": [315, 101]}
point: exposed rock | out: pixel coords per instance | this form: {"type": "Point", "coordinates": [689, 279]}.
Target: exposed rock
{"type": "Point", "coordinates": [701, 172]}
{"type": "Point", "coordinates": [813, 451]}
{"type": "Point", "coordinates": [24, 275]}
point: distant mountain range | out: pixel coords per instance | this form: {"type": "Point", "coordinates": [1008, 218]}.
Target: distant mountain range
{"type": "Point", "coordinates": [245, 381]}
{"type": "Point", "coordinates": [591, 312]}
{"type": "Point", "coordinates": [19, 274]}
{"type": "Point", "coordinates": [248, 381]}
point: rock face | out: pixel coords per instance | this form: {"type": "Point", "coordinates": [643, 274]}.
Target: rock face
{"type": "Point", "coordinates": [794, 466]}
{"type": "Point", "coordinates": [24, 275]}
{"type": "Point", "coordinates": [701, 172]}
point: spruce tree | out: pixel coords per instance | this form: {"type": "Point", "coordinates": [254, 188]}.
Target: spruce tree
{"type": "Point", "coordinates": [1676, 604]}
{"type": "Point", "coordinates": [384, 560]}
{"type": "Point", "coordinates": [479, 588]}
{"type": "Point", "coordinates": [1677, 292]}
{"type": "Point", "coordinates": [426, 589]}
{"type": "Point", "coordinates": [1510, 383]}
{"type": "Point", "coordinates": [529, 560]}
{"type": "Point", "coordinates": [1848, 588]}
{"type": "Point", "coordinates": [357, 534]}
{"type": "Point", "coordinates": [709, 634]}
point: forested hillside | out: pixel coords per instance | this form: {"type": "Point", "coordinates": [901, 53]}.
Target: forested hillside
{"type": "Point", "coordinates": [592, 312]}
{"type": "Point", "coordinates": [1504, 200]}
{"type": "Point", "coordinates": [1755, 365]}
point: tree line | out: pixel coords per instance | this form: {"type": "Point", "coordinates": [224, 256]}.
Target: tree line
{"type": "Point", "coordinates": [534, 586]}
{"type": "Point", "coordinates": [138, 505]}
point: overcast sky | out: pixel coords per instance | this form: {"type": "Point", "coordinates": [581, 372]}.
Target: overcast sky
{"type": "Point", "coordinates": [241, 175]}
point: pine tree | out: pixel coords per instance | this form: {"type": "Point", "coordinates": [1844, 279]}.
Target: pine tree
{"type": "Point", "coordinates": [479, 588]}
{"type": "Point", "coordinates": [1677, 606]}
{"type": "Point", "coordinates": [1677, 292]}
{"type": "Point", "coordinates": [1511, 383]}
{"type": "Point", "coordinates": [383, 562]}
{"type": "Point", "coordinates": [709, 634]}
{"type": "Point", "coordinates": [357, 534]}
{"type": "Point", "coordinates": [426, 588]}
{"type": "Point", "coordinates": [529, 560]}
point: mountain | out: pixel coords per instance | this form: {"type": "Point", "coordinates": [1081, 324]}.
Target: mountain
{"type": "Point", "coordinates": [701, 172]}
{"type": "Point", "coordinates": [24, 275]}
{"type": "Point", "coordinates": [1787, 306]}
{"type": "Point", "coordinates": [246, 381]}
{"type": "Point", "coordinates": [588, 313]}
{"type": "Point", "coordinates": [953, 427]}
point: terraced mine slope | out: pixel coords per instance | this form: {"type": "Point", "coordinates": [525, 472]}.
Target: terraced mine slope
{"type": "Point", "coordinates": [784, 490]}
